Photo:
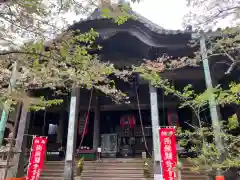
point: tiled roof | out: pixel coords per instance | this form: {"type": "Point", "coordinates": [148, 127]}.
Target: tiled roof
{"type": "Point", "coordinates": [97, 15]}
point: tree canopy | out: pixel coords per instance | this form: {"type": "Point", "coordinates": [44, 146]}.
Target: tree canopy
{"type": "Point", "coordinates": [65, 61]}
{"type": "Point", "coordinates": [34, 34]}
{"type": "Point", "coordinates": [223, 45]}
{"type": "Point", "coordinates": [209, 13]}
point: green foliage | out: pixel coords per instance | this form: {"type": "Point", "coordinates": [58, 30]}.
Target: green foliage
{"type": "Point", "coordinates": [62, 63]}
{"type": "Point", "coordinates": [206, 14]}
{"type": "Point", "coordinates": [147, 168]}
{"type": "Point", "coordinates": [209, 157]}
{"type": "Point", "coordinates": [223, 48]}
{"type": "Point", "coordinates": [42, 104]}
{"type": "Point", "coordinates": [201, 138]}
{"type": "Point", "coordinates": [80, 166]}
{"type": "Point", "coordinates": [233, 122]}
{"type": "Point", "coordinates": [119, 13]}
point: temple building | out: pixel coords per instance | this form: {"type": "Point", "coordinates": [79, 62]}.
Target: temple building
{"type": "Point", "coordinates": [114, 126]}
{"type": "Point", "coordinates": [118, 128]}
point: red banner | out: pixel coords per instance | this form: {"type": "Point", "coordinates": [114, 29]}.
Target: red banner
{"type": "Point", "coordinates": [37, 158]}
{"type": "Point", "coordinates": [168, 153]}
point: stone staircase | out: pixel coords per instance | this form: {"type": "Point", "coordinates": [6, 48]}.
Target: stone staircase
{"type": "Point", "coordinates": [106, 169]}
{"type": "Point", "coordinates": [52, 170]}
{"type": "Point", "coordinates": [112, 169]}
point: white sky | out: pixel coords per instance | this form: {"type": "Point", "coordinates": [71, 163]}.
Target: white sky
{"type": "Point", "coordinates": [169, 13]}
{"type": "Point", "coordinates": [165, 13]}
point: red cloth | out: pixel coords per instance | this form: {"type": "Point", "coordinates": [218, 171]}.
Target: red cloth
{"type": "Point", "coordinates": [219, 177]}
{"type": "Point", "coordinates": [128, 120]}
{"type": "Point", "coordinates": [85, 129]}
{"type": "Point", "coordinates": [172, 118]}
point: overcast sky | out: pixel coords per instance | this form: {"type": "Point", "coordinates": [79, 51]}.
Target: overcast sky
{"type": "Point", "coordinates": [166, 13]}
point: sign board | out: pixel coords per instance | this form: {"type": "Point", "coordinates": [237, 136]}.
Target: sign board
{"type": "Point", "coordinates": [168, 153]}
{"type": "Point", "coordinates": [37, 158]}
{"type": "Point", "coordinates": [71, 129]}
{"type": "Point", "coordinates": [155, 123]}
{"type": "Point", "coordinates": [158, 177]}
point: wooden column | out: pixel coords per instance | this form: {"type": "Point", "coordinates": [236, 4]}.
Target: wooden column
{"type": "Point", "coordinates": [96, 128]}
{"type": "Point", "coordinates": [21, 141]}
{"type": "Point", "coordinates": [71, 137]}
{"type": "Point", "coordinates": [60, 127]}
{"type": "Point", "coordinates": [155, 133]}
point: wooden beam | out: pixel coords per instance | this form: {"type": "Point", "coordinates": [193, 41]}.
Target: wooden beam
{"type": "Point", "coordinates": [122, 107]}
{"type": "Point", "coordinates": [184, 74]}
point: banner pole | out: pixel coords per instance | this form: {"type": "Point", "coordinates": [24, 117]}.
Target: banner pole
{"type": "Point", "coordinates": [179, 177]}
{"type": "Point", "coordinates": [30, 155]}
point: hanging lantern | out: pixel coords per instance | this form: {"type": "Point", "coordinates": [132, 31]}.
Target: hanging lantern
{"type": "Point", "coordinates": [128, 121]}
{"type": "Point", "coordinates": [172, 118]}
{"type": "Point", "coordinates": [219, 177]}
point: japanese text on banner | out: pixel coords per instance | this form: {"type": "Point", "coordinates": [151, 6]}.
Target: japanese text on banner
{"type": "Point", "coordinates": [168, 153]}
{"type": "Point", "coordinates": [37, 158]}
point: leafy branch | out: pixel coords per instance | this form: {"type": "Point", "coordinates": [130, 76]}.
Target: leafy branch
{"type": "Point", "coordinates": [201, 138]}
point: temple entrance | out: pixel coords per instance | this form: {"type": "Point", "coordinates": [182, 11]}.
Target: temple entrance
{"type": "Point", "coordinates": [121, 133]}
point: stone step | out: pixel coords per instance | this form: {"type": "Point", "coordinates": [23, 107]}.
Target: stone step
{"type": "Point", "coordinates": [97, 163]}
{"type": "Point", "coordinates": [105, 170]}
{"type": "Point", "coordinates": [109, 166]}
{"type": "Point", "coordinates": [192, 177]}
{"type": "Point", "coordinates": [113, 178]}
{"type": "Point", "coordinates": [127, 168]}
{"type": "Point", "coordinates": [111, 169]}
{"type": "Point", "coordinates": [124, 178]}
{"type": "Point", "coordinates": [53, 175]}
{"type": "Point", "coordinates": [98, 178]}
{"type": "Point", "coordinates": [59, 171]}
{"type": "Point", "coordinates": [110, 174]}
{"type": "Point", "coordinates": [108, 160]}
{"type": "Point", "coordinates": [117, 170]}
